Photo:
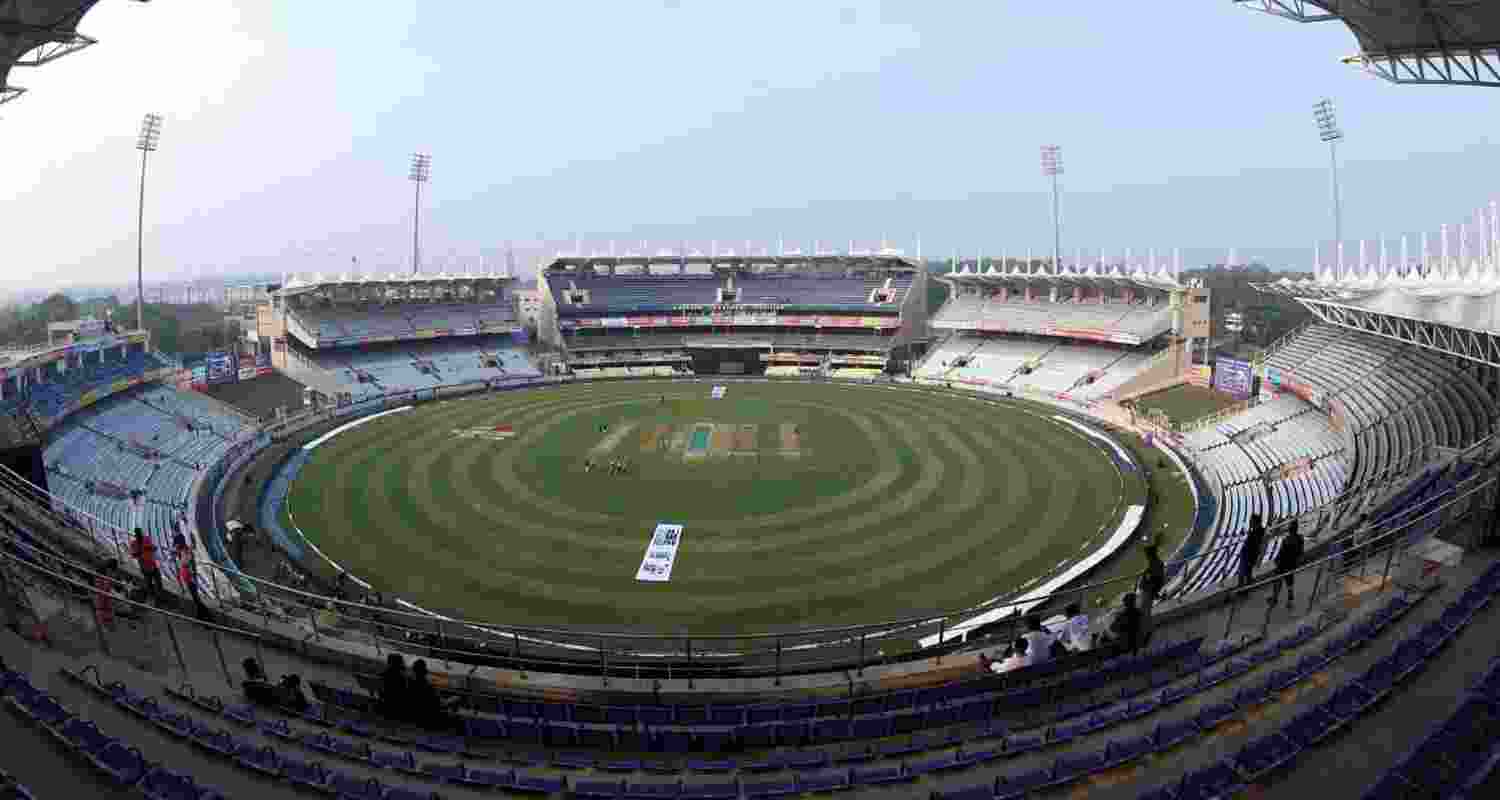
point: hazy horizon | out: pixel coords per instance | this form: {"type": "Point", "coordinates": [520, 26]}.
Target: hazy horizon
{"type": "Point", "coordinates": [286, 140]}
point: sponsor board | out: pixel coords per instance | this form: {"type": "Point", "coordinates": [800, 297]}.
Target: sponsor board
{"type": "Point", "coordinates": [1234, 377]}
{"type": "Point", "coordinates": [661, 554]}
{"type": "Point", "coordinates": [247, 373]}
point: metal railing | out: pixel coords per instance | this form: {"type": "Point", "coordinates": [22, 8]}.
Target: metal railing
{"type": "Point", "coordinates": [365, 630]}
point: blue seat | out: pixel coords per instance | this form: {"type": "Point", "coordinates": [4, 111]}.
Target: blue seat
{"type": "Point", "coordinates": [1349, 701]}
{"type": "Point", "coordinates": [349, 787]}
{"type": "Point", "coordinates": [1010, 787]}
{"type": "Point", "coordinates": [983, 791]}
{"type": "Point", "coordinates": [1265, 754]}
{"type": "Point", "coordinates": [483, 728]}
{"type": "Point", "coordinates": [936, 764]}
{"type": "Point", "coordinates": [1215, 713]}
{"type": "Point", "coordinates": [161, 784]}
{"type": "Point", "coordinates": [445, 773]}
{"type": "Point", "coordinates": [720, 765]}
{"type": "Point", "coordinates": [824, 781]}
{"type": "Point", "coordinates": [766, 789]}
{"type": "Point", "coordinates": [537, 784]}
{"type": "Point", "coordinates": [264, 760]}
{"type": "Point", "coordinates": [244, 714]}
{"type": "Point", "coordinates": [1068, 767]}
{"type": "Point", "coordinates": [599, 790]}
{"type": "Point", "coordinates": [489, 779]}
{"type": "Point", "coordinates": [84, 735]}
{"type": "Point", "coordinates": [216, 741]}
{"type": "Point", "coordinates": [713, 790]}
{"type": "Point", "coordinates": [402, 760]}
{"type": "Point", "coordinates": [1211, 782]}
{"type": "Point", "coordinates": [653, 791]}
{"type": "Point", "coordinates": [1017, 743]}
{"type": "Point", "coordinates": [1169, 734]}
{"type": "Point", "coordinates": [407, 793]}
{"type": "Point", "coordinates": [807, 760]}
{"type": "Point", "coordinates": [124, 764]}
{"type": "Point", "coordinates": [621, 765]}
{"type": "Point", "coordinates": [304, 773]}
{"type": "Point", "coordinates": [1122, 751]}
{"type": "Point", "coordinates": [882, 775]}
{"type": "Point", "coordinates": [1311, 726]}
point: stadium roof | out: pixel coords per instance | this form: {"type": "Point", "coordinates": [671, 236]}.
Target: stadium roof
{"type": "Point", "coordinates": [728, 259]}
{"type": "Point", "coordinates": [1410, 41]}
{"type": "Point", "coordinates": [298, 284]}
{"type": "Point", "coordinates": [34, 32]}
{"type": "Point", "coordinates": [1162, 276]}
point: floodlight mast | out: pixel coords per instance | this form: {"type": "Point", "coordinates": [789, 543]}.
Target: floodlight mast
{"type": "Point", "coordinates": [1329, 131]}
{"type": "Point", "coordinates": [146, 142]}
{"type": "Point", "coordinates": [1052, 167]}
{"type": "Point", "coordinates": [421, 170]}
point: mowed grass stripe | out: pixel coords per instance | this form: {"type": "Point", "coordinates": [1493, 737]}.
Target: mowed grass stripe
{"type": "Point", "coordinates": [924, 544]}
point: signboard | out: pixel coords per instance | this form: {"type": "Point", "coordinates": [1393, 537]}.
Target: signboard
{"type": "Point", "coordinates": [246, 373]}
{"type": "Point", "coordinates": [262, 359]}
{"type": "Point", "coordinates": [661, 554]}
{"type": "Point", "coordinates": [222, 367]}
{"type": "Point", "coordinates": [1201, 375]}
{"type": "Point", "coordinates": [1233, 376]}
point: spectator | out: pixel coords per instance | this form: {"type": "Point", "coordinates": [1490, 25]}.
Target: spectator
{"type": "Point", "coordinates": [187, 573]}
{"type": "Point", "coordinates": [1075, 632]}
{"type": "Point", "coordinates": [425, 707]}
{"type": "Point", "coordinates": [1038, 641]}
{"type": "Point", "coordinates": [1152, 580]}
{"type": "Point", "coordinates": [1126, 627]}
{"type": "Point", "coordinates": [1015, 658]}
{"type": "Point", "coordinates": [256, 688]}
{"type": "Point", "coordinates": [290, 695]}
{"type": "Point", "coordinates": [1288, 558]}
{"type": "Point", "coordinates": [1252, 549]}
{"type": "Point", "coordinates": [143, 550]}
{"type": "Point", "coordinates": [393, 682]}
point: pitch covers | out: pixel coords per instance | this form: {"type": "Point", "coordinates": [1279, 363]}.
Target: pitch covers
{"type": "Point", "coordinates": [661, 554]}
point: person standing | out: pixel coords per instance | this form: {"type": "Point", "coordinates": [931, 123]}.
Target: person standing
{"type": "Point", "coordinates": [1126, 626]}
{"type": "Point", "coordinates": [1288, 558]}
{"type": "Point", "coordinates": [143, 550]}
{"type": "Point", "coordinates": [1252, 549]}
{"type": "Point", "coordinates": [187, 573]}
{"type": "Point", "coordinates": [1153, 580]}
{"type": "Point", "coordinates": [1038, 641]}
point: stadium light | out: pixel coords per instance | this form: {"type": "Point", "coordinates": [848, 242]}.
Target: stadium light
{"type": "Point", "coordinates": [421, 170]}
{"type": "Point", "coordinates": [1329, 131]}
{"type": "Point", "coordinates": [1052, 167]}
{"type": "Point", "coordinates": [146, 142]}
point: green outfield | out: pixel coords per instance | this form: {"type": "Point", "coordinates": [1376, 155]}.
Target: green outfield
{"type": "Point", "coordinates": [801, 503]}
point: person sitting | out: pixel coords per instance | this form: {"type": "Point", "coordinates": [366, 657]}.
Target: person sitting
{"type": "Point", "coordinates": [290, 695]}
{"type": "Point", "coordinates": [1038, 641]}
{"type": "Point", "coordinates": [257, 689]}
{"type": "Point", "coordinates": [1075, 632]}
{"type": "Point", "coordinates": [1015, 658]}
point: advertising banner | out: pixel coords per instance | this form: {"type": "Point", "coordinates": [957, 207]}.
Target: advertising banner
{"type": "Point", "coordinates": [467, 331]}
{"type": "Point", "coordinates": [222, 367]}
{"type": "Point", "coordinates": [1273, 375]}
{"type": "Point", "coordinates": [680, 322]}
{"type": "Point", "coordinates": [247, 373]}
{"type": "Point", "coordinates": [262, 359]}
{"type": "Point", "coordinates": [614, 322]}
{"type": "Point", "coordinates": [1233, 376]}
{"type": "Point", "coordinates": [661, 554]}
{"type": "Point", "coordinates": [1201, 375]}
{"type": "Point", "coordinates": [264, 370]}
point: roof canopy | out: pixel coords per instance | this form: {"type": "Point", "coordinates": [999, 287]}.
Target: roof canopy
{"type": "Point", "coordinates": [883, 259]}
{"type": "Point", "coordinates": [1411, 41]}
{"type": "Point", "coordinates": [34, 32]}
{"type": "Point", "coordinates": [299, 284]}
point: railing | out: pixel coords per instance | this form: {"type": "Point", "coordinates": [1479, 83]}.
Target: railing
{"type": "Point", "coordinates": [350, 634]}
{"type": "Point", "coordinates": [360, 630]}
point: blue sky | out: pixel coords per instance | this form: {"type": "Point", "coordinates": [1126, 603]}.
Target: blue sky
{"type": "Point", "coordinates": [289, 126]}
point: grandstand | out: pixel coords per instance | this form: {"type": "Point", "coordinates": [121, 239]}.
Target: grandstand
{"type": "Point", "coordinates": [1073, 334]}
{"type": "Point", "coordinates": [350, 338]}
{"type": "Point", "coordinates": [673, 314]}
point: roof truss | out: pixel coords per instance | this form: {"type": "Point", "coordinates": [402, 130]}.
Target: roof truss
{"type": "Point", "coordinates": [1480, 346]}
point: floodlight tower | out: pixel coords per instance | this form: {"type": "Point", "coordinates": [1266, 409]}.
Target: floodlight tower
{"type": "Point", "coordinates": [146, 142]}
{"type": "Point", "coordinates": [1052, 167]}
{"type": "Point", "coordinates": [1329, 131]}
{"type": "Point", "coordinates": [421, 170]}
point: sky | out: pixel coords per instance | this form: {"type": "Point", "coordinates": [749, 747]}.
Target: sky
{"type": "Point", "coordinates": [289, 127]}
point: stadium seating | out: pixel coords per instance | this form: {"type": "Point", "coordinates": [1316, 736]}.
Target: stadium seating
{"type": "Point", "coordinates": [400, 321]}
{"type": "Point", "coordinates": [152, 440]}
{"type": "Point", "coordinates": [1057, 365]}
{"type": "Point", "coordinates": [1015, 314]}
{"type": "Point", "coordinates": [423, 365]}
